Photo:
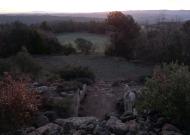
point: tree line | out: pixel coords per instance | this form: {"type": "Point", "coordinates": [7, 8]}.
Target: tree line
{"type": "Point", "coordinates": [162, 42]}
{"type": "Point", "coordinates": [16, 35]}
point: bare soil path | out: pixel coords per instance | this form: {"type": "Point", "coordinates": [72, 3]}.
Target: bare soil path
{"type": "Point", "coordinates": [101, 99]}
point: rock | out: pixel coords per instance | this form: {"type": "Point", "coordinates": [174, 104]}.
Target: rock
{"type": "Point", "coordinates": [109, 115]}
{"type": "Point", "coordinates": [42, 89]}
{"type": "Point", "coordinates": [152, 133]}
{"type": "Point", "coordinates": [33, 133]}
{"type": "Point", "coordinates": [127, 117]}
{"type": "Point", "coordinates": [36, 84]}
{"type": "Point", "coordinates": [132, 126]}
{"type": "Point", "coordinates": [24, 131]}
{"type": "Point", "coordinates": [40, 120]}
{"type": "Point", "coordinates": [116, 126]}
{"type": "Point", "coordinates": [160, 122]}
{"type": "Point", "coordinates": [64, 94]}
{"type": "Point", "coordinates": [99, 130]}
{"type": "Point", "coordinates": [50, 129]}
{"type": "Point", "coordinates": [51, 115]}
{"type": "Point", "coordinates": [76, 122]}
{"type": "Point", "coordinates": [116, 83]}
{"type": "Point", "coordinates": [170, 133]}
{"type": "Point", "coordinates": [169, 127]}
{"type": "Point", "coordinates": [88, 127]}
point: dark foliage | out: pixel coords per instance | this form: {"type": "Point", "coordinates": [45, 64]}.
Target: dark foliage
{"type": "Point", "coordinates": [124, 31]}
{"type": "Point", "coordinates": [69, 49]}
{"type": "Point", "coordinates": [71, 26]}
{"type": "Point", "coordinates": [84, 45]}
{"type": "Point", "coordinates": [16, 35]}
{"type": "Point", "coordinates": [17, 104]}
{"type": "Point", "coordinates": [168, 92]}
{"type": "Point", "coordinates": [76, 73]}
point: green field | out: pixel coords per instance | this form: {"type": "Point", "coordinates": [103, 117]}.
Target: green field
{"type": "Point", "coordinates": [99, 41]}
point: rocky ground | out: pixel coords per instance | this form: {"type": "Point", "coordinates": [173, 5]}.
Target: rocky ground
{"type": "Point", "coordinates": [101, 98]}
{"type": "Point", "coordinates": [100, 115]}
{"type": "Point", "coordinates": [113, 124]}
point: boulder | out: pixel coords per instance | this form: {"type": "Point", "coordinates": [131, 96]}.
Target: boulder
{"type": "Point", "coordinates": [170, 133]}
{"type": "Point", "coordinates": [76, 122]}
{"type": "Point", "coordinates": [169, 127]}
{"type": "Point", "coordinates": [40, 120]}
{"type": "Point", "coordinates": [127, 117]}
{"type": "Point", "coordinates": [51, 115]}
{"type": "Point", "coordinates": [116, 126]}
{"type": "Point", "coordinates": [99, 130]}
{"type": "Point", "coordinates": [50, 129]}
{"type": "Point", "coordinates": [132, 126]}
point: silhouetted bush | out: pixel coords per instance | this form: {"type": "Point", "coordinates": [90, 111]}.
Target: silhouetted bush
{"type": "Point", "coordinates": [16, 35]}
{"type": "Point", "coordinates": [76, 72]}
{"type": "Point", "coordinates": [68, 49]}
{"type": "Point", "coordinates": [24, 63]}
{"type": "Point", "coordinates": [5, 66]}
{"type": "Point", "coordinates": [84, 45]}
{"type": "Point", "coordinates": [109, 50]}
{"type": "Point", "coordinates": [17, 104]}
{"type": "Point", "coordinates": [168, 92]}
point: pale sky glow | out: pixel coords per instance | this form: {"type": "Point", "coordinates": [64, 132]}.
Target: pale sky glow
{"type": "Point", "coordinates": [21, 6]}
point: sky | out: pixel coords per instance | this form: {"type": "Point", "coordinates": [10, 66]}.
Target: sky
{"type": "Point", "coordinates": [72, 6]}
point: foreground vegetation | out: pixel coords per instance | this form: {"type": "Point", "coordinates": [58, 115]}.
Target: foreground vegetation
{"type": "Point", "coordinates": [168, 92]}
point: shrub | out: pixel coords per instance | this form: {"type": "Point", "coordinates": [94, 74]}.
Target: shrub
{"type": "Point", "coordinates": [17, 104]}
{"type": "Point", "coordinates": [76, 72]}
{"type": "Point", "coordinates": [168, 92]}
{"type": "Point", "coordinates": [14, 36]}
{"type": "Point", "coordinates": [84, 45]}
{"type": "Point", "coordinates": [24, 63]}
{"type": "Point", "coordinates": [5, 66]}
{"type": "Point", "coordinates": [68, 49]}
{"type": "Point", "coordinates": [109, 50]}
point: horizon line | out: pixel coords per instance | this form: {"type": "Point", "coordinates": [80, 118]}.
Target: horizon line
{"type": "Point", "coordinates": [54, 12]}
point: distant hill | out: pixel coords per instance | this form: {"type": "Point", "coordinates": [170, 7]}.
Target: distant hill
{"type": "Point", "coordinates": [141, 16]}
{"type": "Point", "coordinates": [38, 18]}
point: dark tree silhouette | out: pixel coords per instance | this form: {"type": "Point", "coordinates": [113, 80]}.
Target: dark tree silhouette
{"type": "Point", "coordinates": [124, 31]}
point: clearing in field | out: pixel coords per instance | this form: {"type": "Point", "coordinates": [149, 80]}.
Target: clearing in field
{"type": "Point", "coordinates": [99, 41]}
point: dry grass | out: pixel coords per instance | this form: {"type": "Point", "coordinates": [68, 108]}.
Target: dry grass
{"type": "Point", "coordinates": [105, 68]}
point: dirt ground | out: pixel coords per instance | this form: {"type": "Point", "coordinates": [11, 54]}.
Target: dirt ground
{"type": "Point", "coordinates": [101, 99]}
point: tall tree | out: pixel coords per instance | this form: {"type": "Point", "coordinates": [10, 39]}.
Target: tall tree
{"type": "Point", "coordinates": [124, 31]}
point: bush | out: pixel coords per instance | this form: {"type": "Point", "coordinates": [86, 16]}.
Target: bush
{"type": "Point", "coordinates": [17, 104]}
{"type": "Point", "coordinates": [5, 66]}
{"type": "Point", "coordinates": [24, 63]}
{"type": "Point", "coordinates": [14, 36]}
{"type": "Point", "coordinates": [168, 92]}
{"type": "Point", "coordinates": [76, 72]}
{"type": "Point", "coordinates": [109, 50]}
{"type": "Point", "coordinates": [68, 49]}
{"type": "Point", "coordinates": [84, 45]}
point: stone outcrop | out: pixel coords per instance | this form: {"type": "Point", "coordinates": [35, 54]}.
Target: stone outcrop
{"type": "Point", "coordinates": [112, 125]}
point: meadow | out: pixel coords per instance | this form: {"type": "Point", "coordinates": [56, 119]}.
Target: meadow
{"type": "Point", "coordinates": [104, 67]}
{"type": "Point", "coordinates": [99, 41]}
